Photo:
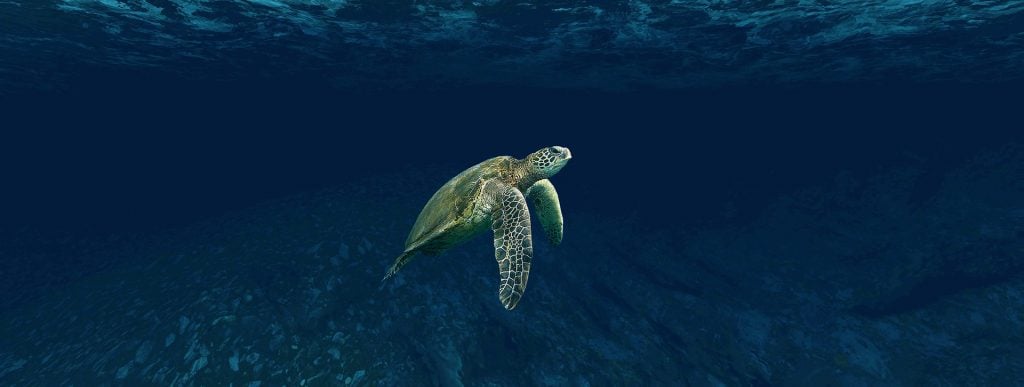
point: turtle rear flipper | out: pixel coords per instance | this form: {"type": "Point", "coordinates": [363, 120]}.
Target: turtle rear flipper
{"type": "Point", "coordinates": [402, 260]}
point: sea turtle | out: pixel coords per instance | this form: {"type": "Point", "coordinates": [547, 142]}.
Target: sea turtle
{"type": "Point", "coordinates": [492, 194]}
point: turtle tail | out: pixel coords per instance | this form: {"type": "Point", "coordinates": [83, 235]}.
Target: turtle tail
{"type": "Point", "coordinates": [399, 262]}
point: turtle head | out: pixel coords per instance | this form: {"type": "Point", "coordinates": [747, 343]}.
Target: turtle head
{"type": "Point", "coordinates": [548, 161]}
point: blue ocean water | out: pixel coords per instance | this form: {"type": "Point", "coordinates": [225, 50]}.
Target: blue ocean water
{"type": "Point", "coordinates": [207, 193]}
{"type": "Point", "coordinates": [590, 44]}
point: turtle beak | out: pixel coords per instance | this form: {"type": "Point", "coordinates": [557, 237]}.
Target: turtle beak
{"type": "Point", "coordinates": [565, 151]}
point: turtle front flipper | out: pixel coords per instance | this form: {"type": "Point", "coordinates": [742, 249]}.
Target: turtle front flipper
{"type": "Point", "coordinates": [513, 246]}
{"type": "Point", "coordinates": [544, 200]}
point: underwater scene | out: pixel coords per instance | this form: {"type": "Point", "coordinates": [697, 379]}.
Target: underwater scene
{"type": "Point", "coordinates": [257, 193]}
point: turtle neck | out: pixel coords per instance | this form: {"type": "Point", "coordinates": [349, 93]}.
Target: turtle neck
{"type": "Point", "coordinates": [521, 174]}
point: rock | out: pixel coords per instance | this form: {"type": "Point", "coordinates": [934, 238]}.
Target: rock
{"type": "Point", "coordinates": [169, 340]}
{"type": "Point", "coordinates": [227, 319]}
{"type": "Point", "coordinates": [233, 361]}
{"type": "Point", "coordinates": [358, 376]}
{"type": "Point", "coordinates": [142, 353]}
{"type": "Point", "coordinates": [123, 371]}
{"type": "Point", "coordinates": [198, 365]}
{"type": "Point", "coordinates": [183, 324]}
{"type": "Point", "coordinates": [343, 251]}
{"type": "Point", "coordinates": [313, 250]}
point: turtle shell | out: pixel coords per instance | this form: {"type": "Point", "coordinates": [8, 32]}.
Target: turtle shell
{"type": "Point", "coordinates": [453, 204]}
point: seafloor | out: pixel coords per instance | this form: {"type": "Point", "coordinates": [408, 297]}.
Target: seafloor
{"type": "Point", "coordinates": [862, 282]}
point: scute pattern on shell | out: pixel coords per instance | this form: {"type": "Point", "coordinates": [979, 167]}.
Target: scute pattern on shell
{"type": "Point", "coordinates": [513, 246]}
{"type": "Point", "coordinates": [452, 203]}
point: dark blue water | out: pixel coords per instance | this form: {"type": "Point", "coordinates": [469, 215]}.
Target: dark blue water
{"type": "Point", "coordinates": [761, 193]}
{"type": "Point", "coordinates": [590, 44]}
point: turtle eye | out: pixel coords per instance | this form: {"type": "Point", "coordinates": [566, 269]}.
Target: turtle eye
{"type": "Point", "coordinates": [553, 150]}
